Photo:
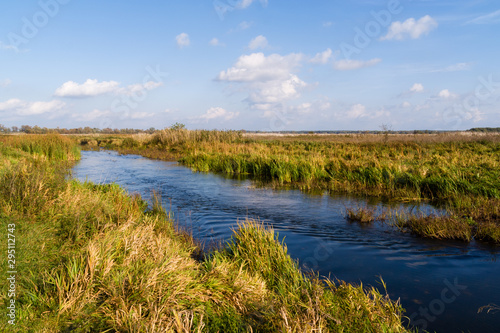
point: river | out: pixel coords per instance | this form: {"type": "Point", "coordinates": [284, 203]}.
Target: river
{"type": "Point", "coordinates": [441, 284]}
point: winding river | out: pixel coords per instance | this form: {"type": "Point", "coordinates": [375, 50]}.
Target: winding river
{"type": "Point", "coordinates": [441, 284]}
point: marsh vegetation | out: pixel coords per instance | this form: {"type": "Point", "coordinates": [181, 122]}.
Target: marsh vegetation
{"type": "Point", "coordinates": [93, 258]}
{"type": "Point", "coordinates": [457, 171]}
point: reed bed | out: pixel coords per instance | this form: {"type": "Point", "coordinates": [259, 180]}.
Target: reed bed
{"type": "Point", "coordinates": [90, 258]}
{"type": "Point", "coordinates": [54, 147]}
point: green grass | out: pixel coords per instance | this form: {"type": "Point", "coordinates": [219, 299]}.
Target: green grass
{"type": "Point", "coordinates": [51, 146]}
{"type": "Point", "coordinates": [90, 258]}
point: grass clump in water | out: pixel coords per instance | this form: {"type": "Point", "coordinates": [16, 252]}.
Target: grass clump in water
{"type": "Point", "coordinates": [362, 214]}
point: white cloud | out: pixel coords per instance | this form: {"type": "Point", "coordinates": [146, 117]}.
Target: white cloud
{"type": "Point", "coordinates": [92, 88]}
{"type": "Point", "coordinates": [259, 42]}
{"type": "Point", "coordinates": [416, 88]}
{"type": "Point", "coordinates": [276, 91]}
{"type": "Point", "coordinates": [8, 47]}
{"type": "Point", "coordinates": [445, 93]}
{"type": "Point", "coordinates": [315, 107]}
{"type": "Point", "coordinates": [24, 108]}
{"type": "Point", "coordinates": [327, 24]}
{"type": "Point", "coordinates": [100, 114]}
{"type": "Point", "coordinates": [356, 111]}
{"type": "Point", "coordinates": [217, 112]}
{"type": "Point", "coordinates": [245, 25]}
{"type": "Point", "coordinates": [410, 28]}
{"type": "Point", "coordinates": [349, 65]}
{"type": "Point", "coordinates": [93, 115]}
{"type": "Point", "coordinates": [11, 104]}
{"type": "Point", "coordinates": [246, 3]}
{"type": "Point", "coordinates": [322, 57]}
{"type": "Point", "coordinates": [304, 108]}
{"type": "Point", "coordinates": [406, 104]}
{"type": "Point", "coordinates": [182, 40]}
{"type": "Point", "coordinates": [140, 115]}
{"type": "Point", "coordinates": [258, 67]}
{"type": "Point", "coordinates": [215, 42]}
{"type": "Point", "coordinates": [88, 88]}
{"type": "Point", "coordinates": [138, 87]}
{"type": "Point", "coordinates": [462, 66]}
{"type": "Point", "coordinates": [4, 83]}
{"type": "Point", "coordinates": [490, 18]}
{"type": "Point", "coordinates": [268, 80]}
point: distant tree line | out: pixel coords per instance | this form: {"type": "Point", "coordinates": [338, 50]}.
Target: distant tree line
{"type": "Point", "coordinates": [80, 130]}
{"type": "Point", "coordinates": [177, 126]}
{"type": "Point", "coordinates": [485, 129]}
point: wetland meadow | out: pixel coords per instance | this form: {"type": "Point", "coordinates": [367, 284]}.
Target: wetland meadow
{"type": "Point", "coordinates": [95, 257]}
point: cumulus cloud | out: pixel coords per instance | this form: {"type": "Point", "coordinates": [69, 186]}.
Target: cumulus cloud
{"type": "Point", "coordinates": [416, 88]}
{"type": "Point", "coordinates": [268, 79]}
{"type": "Point", "coordinates": [92, 88]}
{"type": "Point", "coordinates": [349, 65]}
{"type": "Point", "coordinates": [86, 89]}
{"type": "Point", "coordinates": [311, 107]}
{"type": "Point", "coordinates": [258, 67]}
{"type": "Point", "coordinates": [259, 42]}
{"type": "Point", "coordinates": [4, 83]}
{"type": "Point", "coordinates": [446, 94]}
{"type": "Point", "coordinates": [490, 18]}
{"type": "Point", "coordinates": [215, 42]}
{"type": "Point", "coordinates": [356, 111]}
{"type": "Point", "coordinates": [218, 112]}
{"type": "Point", "coordinates": [276, 91]}
{"type": "Point", "coordinates": [410, 28]}
{"type": "Point", "coordinates": [182, 40]}
{"type": "Point", "coordinates": [322, 57]}
{"type": "Point", "coordinates": [23, 108]}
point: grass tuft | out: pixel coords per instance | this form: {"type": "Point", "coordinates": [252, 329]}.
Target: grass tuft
{"type": "Point", "coordinates": [362, 214]}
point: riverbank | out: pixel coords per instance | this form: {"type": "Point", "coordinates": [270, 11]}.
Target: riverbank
{"type": "Point", "coordinates": [91, 258]}
{"type": "Point", "coordinates": [457, 171]}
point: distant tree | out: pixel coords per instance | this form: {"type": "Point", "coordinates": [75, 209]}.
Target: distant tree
{"type": "Point", "coordinates": [26, 129]}
{"type": "Point", "coordinates": [177, 127]}
{"type": "Point", "coordinates": [386, 130]}
{"type": "Point", "coordinates": [4, 129]}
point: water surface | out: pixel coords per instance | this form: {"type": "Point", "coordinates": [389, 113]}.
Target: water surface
{"type": "Point", "coordinates": [441, 284]}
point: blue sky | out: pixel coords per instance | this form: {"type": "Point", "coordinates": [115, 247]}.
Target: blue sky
{"type": "Point", "coordinates": [251, 64]}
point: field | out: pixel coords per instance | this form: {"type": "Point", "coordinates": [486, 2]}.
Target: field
{"type": "Point", "coordinates": [456, 171]}
{"type": "Point", "coordinates": [90, 258]}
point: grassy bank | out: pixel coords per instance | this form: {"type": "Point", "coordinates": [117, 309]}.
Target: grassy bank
{"type": "Point", "coordinates": [460, 171]}
{"type": "Point", "coordinates": [90, 258]}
